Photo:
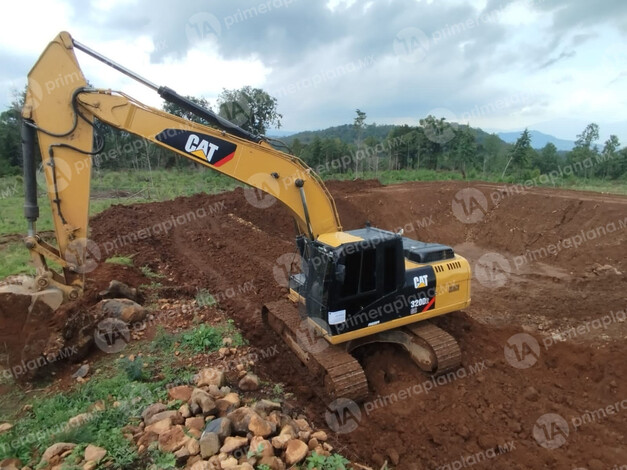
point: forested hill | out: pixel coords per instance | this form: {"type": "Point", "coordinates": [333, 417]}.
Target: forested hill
{"type": "Point", "coordinates": [347, 133]}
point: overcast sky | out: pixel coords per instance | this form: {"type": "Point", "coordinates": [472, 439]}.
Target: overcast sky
{"type": "Point", "coordinates": [551, 65]}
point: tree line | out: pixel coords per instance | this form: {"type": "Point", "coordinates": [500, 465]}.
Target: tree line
{"type": "Point", "coordinates": [433, 144]}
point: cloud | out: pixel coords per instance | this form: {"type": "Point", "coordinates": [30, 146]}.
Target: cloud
{"type": "Point", "coordinates": [553, 61]}
{"type": "Point", "coordinates": [396, 59]}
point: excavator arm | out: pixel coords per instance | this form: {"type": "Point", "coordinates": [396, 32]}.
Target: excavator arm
{"type": "Point", "coordinates": [60, 109]}
{"type": "Point", "coordinates": [356, 287]}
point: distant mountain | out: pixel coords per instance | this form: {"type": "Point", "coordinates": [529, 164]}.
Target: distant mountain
{"type": "Point", "coordinates": [279, 133]}
{"type": "Point", "coordinates": [345, 132]}
{"type": "Point", "coordinates": [538, 140]}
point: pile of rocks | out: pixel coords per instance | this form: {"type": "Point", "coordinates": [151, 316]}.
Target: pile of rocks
{"type": "Point", "coordinates": [215, 430]}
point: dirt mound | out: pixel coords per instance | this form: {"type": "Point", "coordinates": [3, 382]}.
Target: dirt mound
{"type": "Point", "coordinates": [223, 244]}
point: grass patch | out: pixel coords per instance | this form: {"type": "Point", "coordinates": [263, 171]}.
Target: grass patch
{"type": "Point", "coordinates": [149, 273]}
{"type": "Point", "coordinates": [134, 384]}
{"type": "Point", "coordinates": [123, 260]}
{"type": "Point", "coordinates": [205, 299]}
{"type": "Point", "coordinates": [206, 338]}
{"type": "Point", "coordinates": [15, 258]}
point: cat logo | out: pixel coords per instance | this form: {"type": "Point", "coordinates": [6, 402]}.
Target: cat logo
{"type": "Point", "coordinates": [421, 281]}
{"type": "Point", "coordinates": [200, 147]}
{"type": "Point", "coordinates": [204, 147]}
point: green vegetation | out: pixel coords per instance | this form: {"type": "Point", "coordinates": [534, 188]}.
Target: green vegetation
{"type": "Point", "coordinates": [133, 384]}
{"type": "Point", "coordinates": [123, 260]}
{"type": "Point", "coordinates": [47, 422]}
{"type": "Point", "coordinates": [149, 273]}
{"type": "Point", "coordinates": [320, 462]}
{"type": "Point", "coordinates": [206, 338]}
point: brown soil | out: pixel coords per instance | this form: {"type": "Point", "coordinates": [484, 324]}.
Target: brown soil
{"type": "Point", "coordinates": [232, 254]}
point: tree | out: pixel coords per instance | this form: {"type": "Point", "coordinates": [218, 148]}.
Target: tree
{"type": "Point", "coordinates": [547, 160]}
{"type": "Point", "coordinates": [610, 166]}
{"type": "Point", "coordinates": [585, 149]}
{"type": "Point", "coordinates": [519, 155]}
{"type": "Point", "coordinates": [250, 108]}
{"type": "Point", "coordinates": [358, 125]}
{"type": "Point", "coordinates": [465, 149]}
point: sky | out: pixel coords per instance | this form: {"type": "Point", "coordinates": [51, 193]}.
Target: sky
{"type": "Point", "coordinates": [549, 65]}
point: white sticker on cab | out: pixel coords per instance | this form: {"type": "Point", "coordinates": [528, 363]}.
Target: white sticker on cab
{"type": "Point", "coordinates": [336, 317]}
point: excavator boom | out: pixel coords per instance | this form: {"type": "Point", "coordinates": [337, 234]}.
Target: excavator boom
{"type": "Point", "coordinates": [61, 108]}
{"type": "Point", "coordinates": [356, 287]}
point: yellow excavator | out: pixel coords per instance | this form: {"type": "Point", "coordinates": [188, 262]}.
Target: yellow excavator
{"type": "Point", "coordinates": [354, 287]}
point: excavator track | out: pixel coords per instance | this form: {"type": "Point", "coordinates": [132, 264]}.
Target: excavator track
{"type": "Point", "coordinates": [341, 373]}
{"type": "Point", "coordinates": [447, 355]}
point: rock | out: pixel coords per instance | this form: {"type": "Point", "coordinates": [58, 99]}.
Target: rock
{"type": "Point", "coordinates": [57, 449]}
{"type": "Point", "coordinates": [210, 376]}
{"type": "Point", "coordinates": [274, 463]}
{"type": "Point", "coordinates": [260, 427]}
{"type": "Point", "coordinates": [99, 405]}
{"type": "Point", "coordinates": [221, 426]}
{"type": "Point", "coordinates": [295, 451]}
{"type": "Point", "coordinates": [197, 422]}
{"type": "Point", "coordinates": [193, 447]}
{"type": "Point", "coordinates": [531, 394]}
{"type": "Point", "coordinates": [4, 427]}
{"type": "Point", "coordinates": [249, 383]}
{"type": "Point", "coordinates": [172, 440]}
{"type": "Point", "coordinates": [153, 410]}
{"type": "Point", "coordinates": [123, 309]}
{"type": "Point", "coordinates": [313, 443]}
{"type": "Point", "coordinates": [160, 426]}
{"type": "Point", "coordinates": [94, 453]}
{"type": "Point", "coordinates": [229, 463]}
{"type": "Point", "coordinates": [118, 290]}
{"type": "Point", "coordinates": [261, 447]}
{"type": "Point", "coordinates": [240, 419]}
{"type": "Point", "coordinates": [184, 410]}
{"type": "Point", "coordinates": [463, 431]}
{"type": "Point", "coordinates": [266, 406]}
{"type": "Point", "coordinates": [228, 403]}
{"type": "Point", "coordinates": [394, 456]}
{"type": "Point", "coordinates": [174, 416]}
{"type": "Point", "coordinates": [203, 400]}
{"type": "Point", "coordinates": [182, 392]}
{"type": "Point", "coordinates": [181, 455]}
{"type": "Point", "coordinates": [288, 429]}
{"type": "Point", "coordinates": [209, 444]}
{"type": "Point", "coordinates": [320, 436]}
{"type": "Point", "coordinates": [81, 372]}
{"type": "Point", "coordinates": [486, 442]}
{"type": "Point", "coordinates": [147, 438]}
{"type": "Point", "coordinates": [11, 464]}
{"type": "Point", "coordinates": [201, 465]}
{"type": "Point", "coordinates": [78, 420]}
{"type": "Point", "coordinates": [90, 465]}
{"type": "Point", "coordinates": [232, 443]}
{"type": "Point", "coordinates": [303, 425]}
{"type": "Point", "coordinates": [280, 441]}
